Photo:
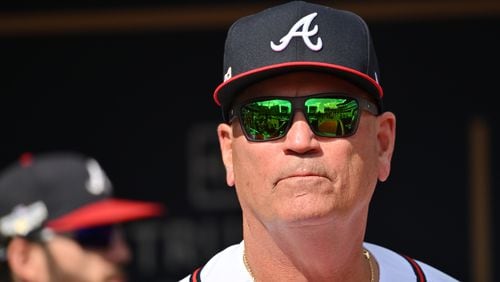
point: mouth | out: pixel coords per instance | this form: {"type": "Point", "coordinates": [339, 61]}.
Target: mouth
{"type": "Point", "coordinates": [298, 176]}
{"type": "Point", "coordinates": [117, 278]}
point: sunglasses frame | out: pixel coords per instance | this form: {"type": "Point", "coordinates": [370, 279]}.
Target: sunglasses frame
{"type": "Point", "coordinates": [91, 238]}
{"type": "Point", "coordinates": [298, 104]}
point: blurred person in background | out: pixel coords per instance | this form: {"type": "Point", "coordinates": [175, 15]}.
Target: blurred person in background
{"type": "Point", "coordinates": [60, 223]}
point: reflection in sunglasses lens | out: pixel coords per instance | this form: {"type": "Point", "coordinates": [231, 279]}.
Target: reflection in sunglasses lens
{"type": "Point", "coordinates": [327, 116]}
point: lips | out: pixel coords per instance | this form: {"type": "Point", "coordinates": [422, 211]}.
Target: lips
{"type": "Point", "coordinates": [301, 175]}
{"type": "Point", "coordinates": [117, 278]}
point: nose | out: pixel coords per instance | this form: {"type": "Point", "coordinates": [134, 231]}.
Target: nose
{"type": "Point", "coordinates": [118, 251]}
{"type": "Point", "coordinates": [300, 138]}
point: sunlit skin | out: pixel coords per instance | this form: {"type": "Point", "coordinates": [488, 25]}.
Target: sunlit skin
{"type": "Point", "coordinates": [306, 197]}
{"type": "Point", "coordinates": [62, 259]}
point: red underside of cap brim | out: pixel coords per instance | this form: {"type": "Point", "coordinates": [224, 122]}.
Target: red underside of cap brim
{"type": "Point", "coordinates": [246, 78]}
{"type": "Point", "coordinates": [105, 212]}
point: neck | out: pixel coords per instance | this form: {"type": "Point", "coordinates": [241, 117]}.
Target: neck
{"type": "Point", "coordinates": [326, 252]}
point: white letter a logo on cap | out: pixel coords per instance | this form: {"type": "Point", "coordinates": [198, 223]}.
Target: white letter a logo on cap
{"type": "Point", "coordinates": [305, 33]}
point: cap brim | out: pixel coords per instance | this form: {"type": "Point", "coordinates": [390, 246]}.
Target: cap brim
{"type": "Point", "coordinates": [105, 212]}
{"type": "Point", "coordinates": [224, 93]}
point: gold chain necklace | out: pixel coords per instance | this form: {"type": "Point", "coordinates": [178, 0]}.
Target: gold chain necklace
{"type": "Point", "coordinates": [247, 266]}
{"type": "Point", "coordinates": [368, 257]}
{"type": "Point", "coordinates": [366, 254]}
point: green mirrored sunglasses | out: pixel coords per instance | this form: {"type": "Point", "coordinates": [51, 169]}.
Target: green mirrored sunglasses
{"type": "Point", "coordinates": [328, 115]}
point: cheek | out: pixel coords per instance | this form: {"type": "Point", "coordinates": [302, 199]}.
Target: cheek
{"type": "Point", "coordinates": [363, 158]}
{"type": "Point", "coordinates": [361, 170]}
{"type": "Point", "coordinates": [65, 249]}
{"type": "Point", "coordinates": [253, 171]}
{"type": "Point", "coordinates": [82, 263]}
{"type": "Point", "coordinates": [250, 163]}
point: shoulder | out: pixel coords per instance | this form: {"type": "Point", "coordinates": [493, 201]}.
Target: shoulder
{"type": "Point", "coordinates": [226, 265]}
{"type": "Point", "coordinates": [396, 267]}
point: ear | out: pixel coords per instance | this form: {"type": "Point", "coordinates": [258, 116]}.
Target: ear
{"type": "Point", "coordinates": [386, 137]}
{"type": "Point", "coordinates": [225, 134]}
{"type": "Point", "coordinates": [22, 259]}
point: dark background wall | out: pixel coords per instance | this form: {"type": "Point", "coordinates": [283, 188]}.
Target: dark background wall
{"type": "Point", "coordinates": [137, 96]}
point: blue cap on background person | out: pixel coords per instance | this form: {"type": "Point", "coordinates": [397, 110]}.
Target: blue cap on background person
{"type": "Point", "coordinates": [62, 192]}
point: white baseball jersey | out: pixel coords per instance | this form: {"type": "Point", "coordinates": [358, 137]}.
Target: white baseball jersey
{"type": "Point", "coordinates": [228, 265]}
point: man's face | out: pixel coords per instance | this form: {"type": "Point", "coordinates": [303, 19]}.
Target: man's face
{"type": "Point", "coordinates": [63, 259]}
{"type": "Point", "coordinates": [303, 179]}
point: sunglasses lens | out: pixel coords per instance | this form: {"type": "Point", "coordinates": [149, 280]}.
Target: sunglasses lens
{"type": "Point", "coordinates": [266, 120]}
{"type": "Point", "coordinates": [94, 238]}
{"type": "Point", "coordinates": [332, 117]}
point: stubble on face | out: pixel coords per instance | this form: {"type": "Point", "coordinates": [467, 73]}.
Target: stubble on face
{"type": "Point", "coordinates": [299, 188]}
{"type": "Point", "coordinates": [69, 262]}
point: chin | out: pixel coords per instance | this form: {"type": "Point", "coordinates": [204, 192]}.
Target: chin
{"type": "Point", "coordinates": [117, 278]}
{"type": "Point", "coordinates": [312, 216]}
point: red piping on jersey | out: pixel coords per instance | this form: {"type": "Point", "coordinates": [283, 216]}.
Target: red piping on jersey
{"type": "Point", "coordinates": [195, 275]}
{"type": "Point", "coordinates": [416, 268]}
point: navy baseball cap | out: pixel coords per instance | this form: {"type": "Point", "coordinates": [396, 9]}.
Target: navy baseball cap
{"type": "Point", "coordinates": [63, 192]}
{"type": "Point", "coordinates": [298, 36]}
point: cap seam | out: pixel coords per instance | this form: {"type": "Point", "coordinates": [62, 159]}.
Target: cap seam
{"type": "Point", "coordinates": [366, 34]}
